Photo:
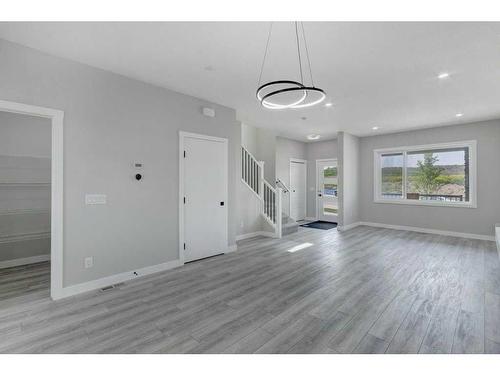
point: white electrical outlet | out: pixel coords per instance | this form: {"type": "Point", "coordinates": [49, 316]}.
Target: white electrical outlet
{"type": "Point", "coordinates": [89, 262]}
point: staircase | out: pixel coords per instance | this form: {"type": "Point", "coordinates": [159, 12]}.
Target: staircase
{"type": "Point", "coordinates": [252, 175]}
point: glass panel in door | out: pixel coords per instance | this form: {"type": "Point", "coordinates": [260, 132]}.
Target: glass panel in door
{"type": "Point", "coordinates": [327, 197]}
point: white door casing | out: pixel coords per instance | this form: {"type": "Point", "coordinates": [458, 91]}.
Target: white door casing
{"type": "Point", "coordinates": [298, 189]}
{"type": "Point", "coordinates": [205, 189]}
{"type": "Point", "coordinates": [57, 186]}
{"type": "Point", "coordinates": [327, 190]}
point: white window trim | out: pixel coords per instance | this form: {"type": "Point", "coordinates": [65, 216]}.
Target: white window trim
{"type": "Point", "coordinates": [472, 145]}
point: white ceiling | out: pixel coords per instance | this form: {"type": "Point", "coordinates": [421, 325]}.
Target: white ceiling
{"type": "Point", "coordinates": [375, 74]}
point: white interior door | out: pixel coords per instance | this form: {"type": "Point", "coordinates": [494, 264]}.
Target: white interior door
{"type": "Point", "coordinates": [327, 197]}
{"type": "Point", "coordinates": [205, 192]}
{"type": "Point", "coordinates": [298, 189]}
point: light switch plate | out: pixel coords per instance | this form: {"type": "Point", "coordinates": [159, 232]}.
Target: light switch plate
{"type": "Point", "coordinates": [95, 199]}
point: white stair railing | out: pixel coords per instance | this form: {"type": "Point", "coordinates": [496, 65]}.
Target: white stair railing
{"type": "Point", "coordinates": [270, 202]}
{"type": "Point", "coordinates": [251, 171]}
{"type": "Point", "coordinates": [252, 174]}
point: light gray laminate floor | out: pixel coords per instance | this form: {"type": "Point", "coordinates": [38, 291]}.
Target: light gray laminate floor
{"type": "Point", "coordinates": [367, 290]}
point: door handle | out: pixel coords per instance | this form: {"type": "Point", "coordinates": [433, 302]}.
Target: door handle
{"type": "Point", "coordinates": [319, 195]}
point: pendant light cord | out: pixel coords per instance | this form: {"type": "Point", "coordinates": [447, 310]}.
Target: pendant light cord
{"type": "Point", "coordinates": [298, 51]}
{"type": "Point", "coordinates": [307, 54]}
{"type": "Point", "coordinates": [265, 52]}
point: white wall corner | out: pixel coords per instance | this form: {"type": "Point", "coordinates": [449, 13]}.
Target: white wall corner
{"type": "Point", "coordinates": [232, 248]}
{"type": "Point", "coordinates": [255, 234]}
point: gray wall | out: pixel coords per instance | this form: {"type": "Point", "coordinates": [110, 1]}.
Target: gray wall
{"type": "Point", "coordinates": [480, 220]}
{"type": "Point", "coordinates": [349, 178]}
{"type": "Point", "coordinates": [25, 150]}
{"type": "Point", "coordinates": [110, 122]}
{"type": "Point", "coordinates": [22, 135]}
{"type": "Point", "coordinates": [249, 209]}
{"type": "Point", "coordinates": [261, 143]}
{"type": "Point", "coordinates": [249, 206]}
{"type": "Point", "coordinates": [249, 136]}
{"type": "Point", "coordinates": [285, 150]}
{"type": "Point", "coordinates": [315, 151]}
{"type": "Point", "coordinates": [266, 152]}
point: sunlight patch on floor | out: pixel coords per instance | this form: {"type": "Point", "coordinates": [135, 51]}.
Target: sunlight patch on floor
{"type": "Point", "coordinates": [302, 246]}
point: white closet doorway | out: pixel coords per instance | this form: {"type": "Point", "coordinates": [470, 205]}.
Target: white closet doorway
{"type": "Point", "coordinates": [298, 186]}
{"type": "Point", "coordinates": [31, 192]}
{"type": "Point", "coordinates": [204, 192]}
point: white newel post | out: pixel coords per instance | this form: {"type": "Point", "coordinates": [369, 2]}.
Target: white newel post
{"type": "Point", "coordinates": [279, 205]}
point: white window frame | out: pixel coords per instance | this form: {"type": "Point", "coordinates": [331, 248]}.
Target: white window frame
{"type": "Point", "coordinates": [377, 174]}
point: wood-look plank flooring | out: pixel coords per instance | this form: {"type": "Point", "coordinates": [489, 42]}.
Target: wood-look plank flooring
{"type": "Point", "coordinates": [367, 290]}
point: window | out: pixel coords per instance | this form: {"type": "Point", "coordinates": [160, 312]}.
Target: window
{"type": "Point", "coordinates": [392, 175]}
{"type": "Point", "coordinates": [442, 174]}
{"type": "Point", "coordinates": [330, 181]}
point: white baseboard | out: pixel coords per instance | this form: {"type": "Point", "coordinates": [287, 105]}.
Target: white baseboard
{"type": "Point", "coordinates": [342, 228]}
{"type": "Point", "coordinates": [311, 218]}
{"type": "Point", "coordinates": [23, 261]}
{"type": "Point", "coordinates": [255, 234]}
{"type": "Point", "coordinates": [232, 248]}
{"type": "Point", "coordinates": [115, 279]}
{"type": "Point", "coordinates": [430, 231]}
{"type": "Point", "coordinates": [247, 235]}
{"type": "Point", "coordinates": [267, 234]}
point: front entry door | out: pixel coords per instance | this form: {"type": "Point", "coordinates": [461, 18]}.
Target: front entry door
{"type": "Point", "coordinates": [205, 196]}
{"type": "Point", "coordinates": [327, 199]}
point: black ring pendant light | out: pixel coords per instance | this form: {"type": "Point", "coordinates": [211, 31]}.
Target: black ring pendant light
{"type": "Point", "coordinates": [283, 94]}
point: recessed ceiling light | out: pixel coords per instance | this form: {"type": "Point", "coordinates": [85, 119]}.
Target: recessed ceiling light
{"type": "Point", "coordinates": [459, 115]}
{"type": "Point", "coordinates": [375, 128]}
{"type": "Point", "coordinates": [328, 104]}
{"type": "Point", "coordinates": [443, 75]}
{"type": "Point", "coordinates": [313, 137]}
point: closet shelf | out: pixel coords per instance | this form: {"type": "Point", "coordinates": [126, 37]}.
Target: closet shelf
{"type": "Point", "coordinates": [24, 184]}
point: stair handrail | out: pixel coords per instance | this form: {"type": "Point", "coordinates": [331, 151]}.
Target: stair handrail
{"type": "Point", "coordinates": [283, 186]}
{"type": "Point", "coordinates": [251, 155]}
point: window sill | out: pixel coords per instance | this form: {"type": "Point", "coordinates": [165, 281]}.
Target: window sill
{"type": "Point", "coordinates": [424, 203]}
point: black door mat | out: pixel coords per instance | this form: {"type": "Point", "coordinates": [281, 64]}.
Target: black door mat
{"type": "Point", "coordinates": [325, 225]}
